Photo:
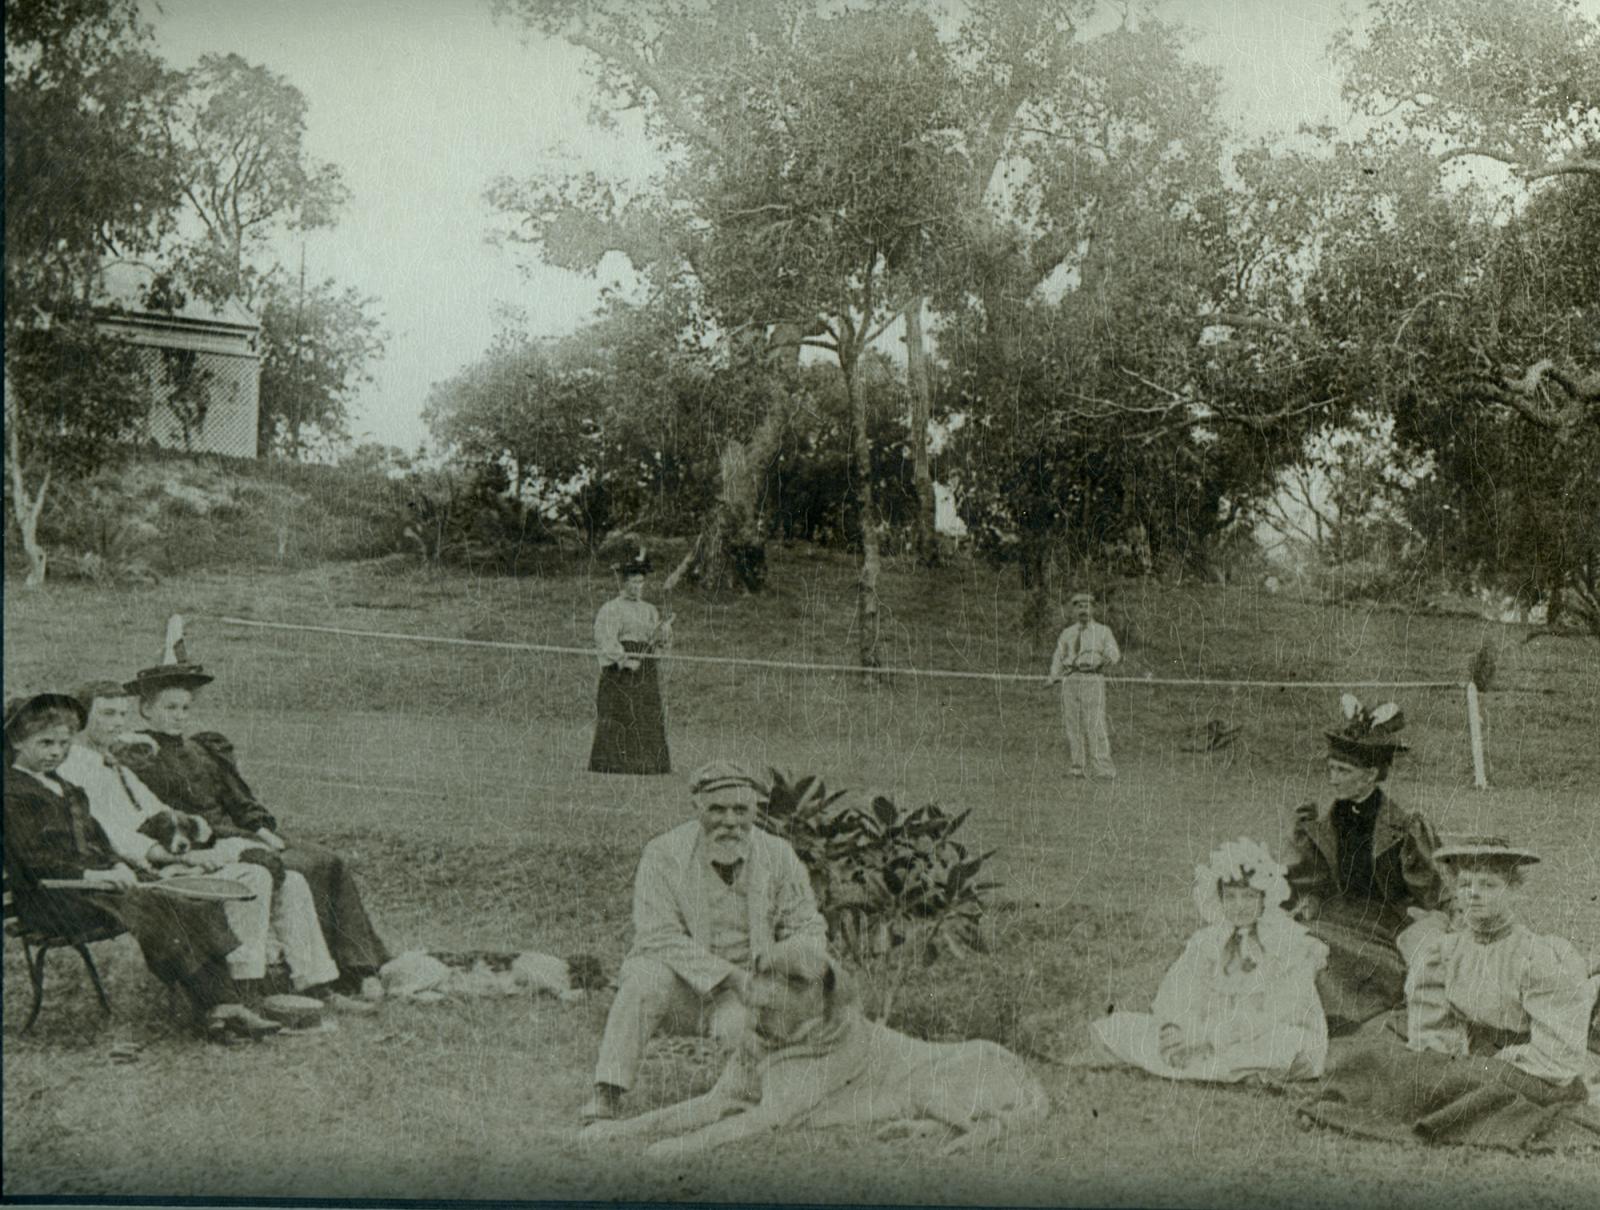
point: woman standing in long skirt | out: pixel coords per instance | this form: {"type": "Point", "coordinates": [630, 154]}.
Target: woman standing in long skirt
{"type": "Point", "coordinates": [630, 733]}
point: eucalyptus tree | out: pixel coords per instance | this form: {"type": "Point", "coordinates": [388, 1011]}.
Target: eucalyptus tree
{"type": "Point", "coordinates": [237, 132]}
{"type": "Point", "coordinates": [811, 159]}
{"type": "Point", "coordinates": [1461, 281]}
{"type": "Point", "coordinates": [1130, 359]}
{"type": "Point", "coordinates": [87, 178]}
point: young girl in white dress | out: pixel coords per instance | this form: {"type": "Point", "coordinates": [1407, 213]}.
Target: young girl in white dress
{"type": "Point", "coordinates": [1241, 1000]}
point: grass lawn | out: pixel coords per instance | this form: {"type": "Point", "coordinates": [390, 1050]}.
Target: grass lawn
{"type": "Point", "coordinates": [455, 777]}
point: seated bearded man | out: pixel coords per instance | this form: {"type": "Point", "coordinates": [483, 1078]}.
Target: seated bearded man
{"type": "Point", "coordinates": [282, 914]}
{"type": "Point", "coordinates": [196, 774]}
{"type": "Point", "coordinates": [708, 898]}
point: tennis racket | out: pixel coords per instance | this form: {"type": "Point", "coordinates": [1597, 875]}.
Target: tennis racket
{"type": "Point", "coordinates": [184, 886]}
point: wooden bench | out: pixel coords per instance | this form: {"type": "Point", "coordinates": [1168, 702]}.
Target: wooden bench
{"type": "Point", "coordinates": [36, 947]}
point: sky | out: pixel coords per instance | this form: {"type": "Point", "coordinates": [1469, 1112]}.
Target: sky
{"type": "Point", "coordinates": [422, 102]}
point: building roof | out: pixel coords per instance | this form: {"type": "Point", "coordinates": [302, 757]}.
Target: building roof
{"type": "Point", "coordinates": [123, 285]}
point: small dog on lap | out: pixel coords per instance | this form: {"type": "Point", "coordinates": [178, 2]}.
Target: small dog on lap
{"type": "Point", "coordinates": [180, 834]}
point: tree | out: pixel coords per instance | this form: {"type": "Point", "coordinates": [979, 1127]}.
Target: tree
{"type": "Point", "coordinates": [87, 176]}
{"type": "Point", "coordinates": [1130, 363]}
{"type": "Point", "coordinates": [238, 131]}
{"type": "Point", "coordinates": [611, 428]}
{"type": "Point", "coordinates": [794, 217]}
{"type": "Point", "coordinates": [317, 343]}
{"type": "Point", "coordinates": [1468, 304]}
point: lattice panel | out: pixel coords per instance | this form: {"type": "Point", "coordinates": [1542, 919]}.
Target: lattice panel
{"type": "Point", "coordinates": [222, 407]}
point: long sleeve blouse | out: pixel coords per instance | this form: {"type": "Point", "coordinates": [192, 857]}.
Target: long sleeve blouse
{"type": "Point", "coordinates": [196, 774]}
{"type": "Point", "coordinates": [49, 832]}
{"type": "Point", "coordinates": [620, 620]}
{"type": "Point", "coordinates": [1462, 992]}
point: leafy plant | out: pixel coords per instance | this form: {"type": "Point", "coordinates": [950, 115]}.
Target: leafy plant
{"type": "Point", "coordinates": [894, 886]}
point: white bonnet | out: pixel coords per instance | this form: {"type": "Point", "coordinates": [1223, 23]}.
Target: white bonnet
{"type": "Point", "coordinates": [1240, 861]}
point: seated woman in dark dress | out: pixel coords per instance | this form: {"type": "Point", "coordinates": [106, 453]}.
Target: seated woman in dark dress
{"type": "Point", "coordinates": [1491, 1048]}
{"type": "Point", "coordinates": [196, 774]}
{"type": "Point", "coordinates": [49, 834]}
{"type": "Point", "coordinates": [1362, 875]}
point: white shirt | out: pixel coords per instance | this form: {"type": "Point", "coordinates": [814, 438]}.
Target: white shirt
{"type": "Point", "coordinates": [1080, 645]}
{"type": "Point", "coordinates": [118, 800]}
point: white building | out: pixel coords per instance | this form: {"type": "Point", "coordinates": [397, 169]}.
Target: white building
{"type": "Point", "coordinates": [213, 352]}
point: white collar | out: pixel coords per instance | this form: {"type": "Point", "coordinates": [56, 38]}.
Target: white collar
{"type": "Point", "coordinates": [50, 781]}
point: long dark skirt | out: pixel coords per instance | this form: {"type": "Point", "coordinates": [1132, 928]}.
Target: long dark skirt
{"type": "Point", "coordinates": [1378, 1088]}
{"type": "Point", "coordinates": [630, 733]}
{"type": "Point", "coordinates": [184, 941]}
{"type": "Point", "coordinates": [1365, 976]}
{"type": "Point", "coordinates": [352, 940]}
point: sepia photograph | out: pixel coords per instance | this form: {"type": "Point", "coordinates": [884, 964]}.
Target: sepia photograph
{"type": "Point", "coordinates": [816, 602]}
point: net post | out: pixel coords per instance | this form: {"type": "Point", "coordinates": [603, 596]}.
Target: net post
{"type": "Point", "coordinates": [1480, 778]}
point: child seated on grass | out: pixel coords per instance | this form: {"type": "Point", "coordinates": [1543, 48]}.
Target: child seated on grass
{"type": "Point", "coordinates": [1241, 1000]}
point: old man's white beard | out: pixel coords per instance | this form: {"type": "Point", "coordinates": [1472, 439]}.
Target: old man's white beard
{"type": "Point", "coordinates": [726, 849]}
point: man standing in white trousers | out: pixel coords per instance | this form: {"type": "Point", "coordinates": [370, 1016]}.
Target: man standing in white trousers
{"type": "Point", "coordinates": [1083, 651]}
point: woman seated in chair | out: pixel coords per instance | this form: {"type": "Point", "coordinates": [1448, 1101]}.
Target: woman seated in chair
{"type": "Point", "coordinates": [196, 774]}
{"type": "Point", "coordinates": [49, 834]}
{"type": "Point", "coordinates": [1491, 1047]}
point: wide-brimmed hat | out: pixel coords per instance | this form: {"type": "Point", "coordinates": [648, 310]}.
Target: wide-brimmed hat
{"type": "Point", "coordinates": [635, 565]}
{"type": "Point", "coordinates": [175, 670]}
{"type": "Point", "coordinates": [1370, 737]}
{"type": "Point", "coordinates": [19, 710]}
{"type": "Point", "coordinates": [148, 681]}
{"type": "Point", "coordinates": [1485, 848]}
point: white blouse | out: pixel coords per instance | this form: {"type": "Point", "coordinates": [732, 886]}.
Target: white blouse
{"type": "Point", "coordinates": [1521, 982]}
{"type": "Point", "coordinates": [621, 620]}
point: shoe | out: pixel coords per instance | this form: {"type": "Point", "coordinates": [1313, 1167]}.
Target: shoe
{"type": "Point", "coordinates": [1077, 773]}
{"type": "Point", "coordinates": [237, 1021]}
{"type": "Point", "coordinates": [604, 1106]}
{"type": "Point", "coordinates": [341, 1003]}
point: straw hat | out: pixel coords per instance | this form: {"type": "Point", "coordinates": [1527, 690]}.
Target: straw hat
{"type": "Point", "coordinates": [1485, 848]}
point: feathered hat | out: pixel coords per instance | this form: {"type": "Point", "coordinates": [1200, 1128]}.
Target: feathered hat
{"type": "Point", "coordinates": [1369, 737]}
{"type": "Point", "coordinates": [175, 671]}
{"type": "Point", "coordinates": [636, 565]}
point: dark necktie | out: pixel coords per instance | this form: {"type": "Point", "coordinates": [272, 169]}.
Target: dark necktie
{"type": "Point", "coordinates": [1233, 953]}
{"type": "Point", "coordinates": [122, 778]}
{"type": "Point", "coordinates": [727, 870]}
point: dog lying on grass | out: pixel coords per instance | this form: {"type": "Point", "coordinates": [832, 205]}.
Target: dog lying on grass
{"type": "Point", "coordinates": [811, 1059]}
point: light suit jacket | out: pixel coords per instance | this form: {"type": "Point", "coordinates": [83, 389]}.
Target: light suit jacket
{"type": "Point", "coordinates": [671, 920]}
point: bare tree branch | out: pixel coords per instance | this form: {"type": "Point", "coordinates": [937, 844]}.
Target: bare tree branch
{"type": "Point", "coordinates": [671, 104]}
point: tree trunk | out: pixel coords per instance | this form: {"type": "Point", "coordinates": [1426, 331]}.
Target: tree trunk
{"type": "Point", "coordinates": [25, 509]}
{"type": "Point", "coordinates": [925, 537]}
{"type": "Point", "coordinates": [731, 545]}
{"type": "Point", "coordinates": [867, 583]}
